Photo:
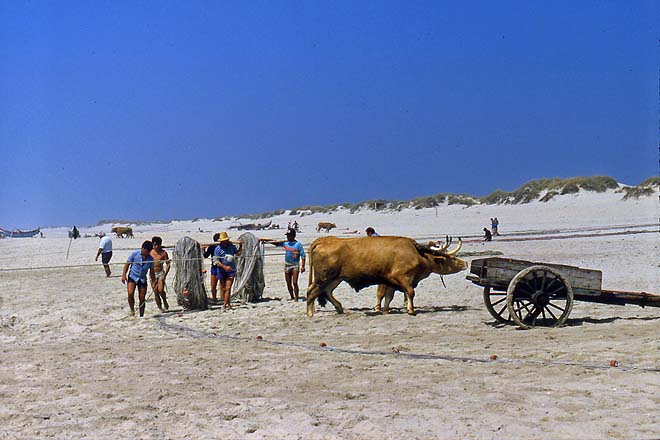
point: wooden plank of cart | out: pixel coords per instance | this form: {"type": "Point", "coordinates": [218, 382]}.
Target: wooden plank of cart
{"type": "Point", "coordinates": [533, 294]}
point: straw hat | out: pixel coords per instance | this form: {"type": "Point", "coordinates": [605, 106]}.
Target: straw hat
{"type": "Point", "coordinates": [223, 236]}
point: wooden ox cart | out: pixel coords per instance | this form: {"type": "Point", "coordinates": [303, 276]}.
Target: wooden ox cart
{"type": "Point", "coordinates": [540, 294]}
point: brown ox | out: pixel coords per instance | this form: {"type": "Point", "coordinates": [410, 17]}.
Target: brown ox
{"type": "Point", "coordinates": [123, 231]}
{"type": "Point", "coordinates": [325, 225]}
{"type": "Point", "coordinates": [398, 263]}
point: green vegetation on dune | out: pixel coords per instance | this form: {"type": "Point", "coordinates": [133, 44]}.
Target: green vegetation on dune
{"type": "Point", "coordinates": [542, 190]}
{"type": "Point", "coordinates": [646, 188]}
{"type": "Point", "coordinates": [546, 189]}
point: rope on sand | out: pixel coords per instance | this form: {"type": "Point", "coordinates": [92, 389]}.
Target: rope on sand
{"type": "Point", "coordinates": [199, 334]}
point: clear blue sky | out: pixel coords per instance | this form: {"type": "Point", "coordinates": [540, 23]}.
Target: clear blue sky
{"type": "Point", "coordinates": [160, 110]}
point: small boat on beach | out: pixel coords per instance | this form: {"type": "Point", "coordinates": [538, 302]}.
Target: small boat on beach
{"type": "Point", "coordinates": [17, 233]}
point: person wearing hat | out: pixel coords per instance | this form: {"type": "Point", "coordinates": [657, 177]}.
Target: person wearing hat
{"type": "Point", "coordinates": [294, 262]}
{"type": "Point", "coordinates": [208, 252]}
{"type": "Point", "coordinates": [224, 256]}
{"type": "Point", "coordinates": [105, 251]}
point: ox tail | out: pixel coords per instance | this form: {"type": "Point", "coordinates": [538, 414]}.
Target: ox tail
{"type": "Point", "coordinates": [323, 297]}
{"type": "Point", "coordinates": [311, 265]}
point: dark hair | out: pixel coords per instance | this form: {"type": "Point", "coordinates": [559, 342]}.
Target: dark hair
{"type": "Point", "coordinates": [157, 240]}
{"type": "Point", "coordinates": [370, 230]}
{"type": "Point", "coordinates": [216, 236]}
{"type": "Point", "coordinates": [147, 245]}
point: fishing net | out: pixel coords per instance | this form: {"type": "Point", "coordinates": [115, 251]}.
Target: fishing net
{"type": "Point", "coordinates": [249, 283]}
{"type": "Point", "coordinates": [188, 280]}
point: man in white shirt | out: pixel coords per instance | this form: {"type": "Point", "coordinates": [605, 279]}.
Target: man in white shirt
{"type": "Point", "coordinates": [105, 251]}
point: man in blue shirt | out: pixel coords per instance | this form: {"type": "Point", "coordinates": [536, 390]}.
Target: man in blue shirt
{"type": "Point", "coordinates": [294, 255]}
{"type": "Point", "coordinates": [140, 262]}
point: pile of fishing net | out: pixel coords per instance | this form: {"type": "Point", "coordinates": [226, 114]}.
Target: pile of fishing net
{"type": "Point", "coordinates": [189, 283]}
{"type": "Point", "coordinates": [249, 283]}
{"type": "Point", "coordinates": [188, 280]}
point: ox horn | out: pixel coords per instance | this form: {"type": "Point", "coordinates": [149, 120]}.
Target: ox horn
{"type": "Point", "coordinates": [442, 247]}
{"type": "Point", "coordinates": [454, 251]}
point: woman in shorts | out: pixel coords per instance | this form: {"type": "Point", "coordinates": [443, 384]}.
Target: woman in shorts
{"type": "Point", "coordinates": [225, 260]}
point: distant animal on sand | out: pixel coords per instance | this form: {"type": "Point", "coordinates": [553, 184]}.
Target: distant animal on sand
{"type": "Point", "coordinates": [325, 225]}
{"type": "Point", "coordinates": [123, 231]}
{"type": "Point", "coordinates": [399, 263]}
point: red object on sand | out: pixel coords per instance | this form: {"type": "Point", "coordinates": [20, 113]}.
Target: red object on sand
{"type": "Point", "coordinates": [259, 338]}
{"type": "Point", "coordinates": [179, 314]}
{"type": "Point", "coordinates": [493, 357]}
{"type": "Point", "coordinates": [614, 363]}
{"type": "Point", "coordinates": [322, 344]}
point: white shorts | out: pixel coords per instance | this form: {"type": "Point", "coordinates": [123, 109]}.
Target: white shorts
{"type": "Point", "coordinates": [288, 268]}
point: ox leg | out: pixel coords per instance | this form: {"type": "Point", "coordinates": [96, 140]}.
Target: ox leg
{"type": "Point", "coordinates": [387, 293]}
{"type": "Point", "coordinates": [380, 294]}
{"type": "Point", "coordinates": [331, 297]}
{"type": "Point", "coordinates": [410, 294]}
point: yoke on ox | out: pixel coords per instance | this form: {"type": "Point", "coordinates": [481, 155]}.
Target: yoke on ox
{"type": "Point", "coordinates": [395, 263]}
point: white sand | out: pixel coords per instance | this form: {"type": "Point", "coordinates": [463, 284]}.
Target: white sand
{"type": "Point", "coordinates": [73, 366]}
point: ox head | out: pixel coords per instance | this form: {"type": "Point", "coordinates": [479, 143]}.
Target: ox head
{"type": "Point", "coordinates": [442, 259]}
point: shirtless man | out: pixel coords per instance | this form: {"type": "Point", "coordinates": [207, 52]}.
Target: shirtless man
{"type": "Point", "coordinates": [160, 258]}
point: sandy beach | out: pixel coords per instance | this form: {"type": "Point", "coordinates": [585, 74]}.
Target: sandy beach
{"type": "Point", "coordinates": [75, 366]}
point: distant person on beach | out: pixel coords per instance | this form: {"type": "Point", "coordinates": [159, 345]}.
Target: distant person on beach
{"type": "Point", "coordinates": [371, 232]}
{"type": "Point", "coordinates": [294, 262]}
{"type": "Point", "coordinates": [105, 251]}
{"type": "Point", "coordinates": [225, 255]}
{"type": "Point", "coordinates": [487, 235]}
{"type": "Point", "coordinates": [140, 263]}
{"type": "Point", "coordinates": [75, 233]}
{"type": "Point", "coordinates": [208, 252]}
{"type": "Point", "coordinates": [496, 225]}
{"type": "Point", "coordinates": [161, 258]}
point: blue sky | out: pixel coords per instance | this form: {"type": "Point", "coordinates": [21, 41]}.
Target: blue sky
{"type": "Point", "coordinates": [160, 110]}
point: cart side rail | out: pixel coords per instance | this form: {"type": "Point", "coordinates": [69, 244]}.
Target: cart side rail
{"type": "Point", "coordinates": [498, 272]}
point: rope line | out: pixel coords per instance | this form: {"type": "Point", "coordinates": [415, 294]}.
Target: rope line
{"type": "Point", "coordinates": [273, 254]}
{"type": "Point", "coordinates": [109, 264]}
{"type": "Point", "coordinates": [199, 334]}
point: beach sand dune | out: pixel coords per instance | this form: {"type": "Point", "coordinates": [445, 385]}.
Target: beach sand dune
{"type": "Point", "coordinates": [74, 366]}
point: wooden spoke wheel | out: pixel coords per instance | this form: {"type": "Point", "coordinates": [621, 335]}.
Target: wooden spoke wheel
{"type": "Point", "coordinates": [495, 302]}
{"type": "Point", "coordinates": [539, 296]}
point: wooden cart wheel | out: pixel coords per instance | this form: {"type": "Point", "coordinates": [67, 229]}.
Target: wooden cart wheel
{"type": "Point", "coordinates": [539, 296]}
{"type": "Point", "coordinates": [495, 302]}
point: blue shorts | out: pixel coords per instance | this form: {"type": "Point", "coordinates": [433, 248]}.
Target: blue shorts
{"type": "Point", "coordinates": [214, 270]}
{"type": "Point", "coordinates": [223, 275]}
{"type": "Point", "coordinates": [138, 283]}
